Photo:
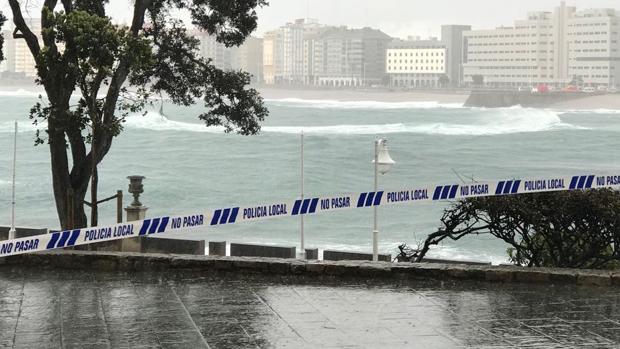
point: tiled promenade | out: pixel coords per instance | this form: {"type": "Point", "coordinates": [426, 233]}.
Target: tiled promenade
{"type": "Point", "coordinates": [81, 309]}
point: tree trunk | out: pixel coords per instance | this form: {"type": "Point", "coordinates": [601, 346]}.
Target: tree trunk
{"type": "Point", "coordinates": [69, 190]}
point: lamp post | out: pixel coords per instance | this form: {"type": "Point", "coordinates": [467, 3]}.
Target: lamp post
{"type": "Point", "coordinates": [12, 231]}
{"type": "Point", "coordinates": [383, 162]}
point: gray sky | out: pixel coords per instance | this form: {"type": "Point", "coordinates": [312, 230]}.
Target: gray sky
{"type": "Point", "coordinates": [395, 17]}
{"type": "Point", "coordinates": [412, 17]}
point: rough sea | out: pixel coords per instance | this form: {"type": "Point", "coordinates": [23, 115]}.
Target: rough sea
{"type": "Point", "coordinates": [190, 167]}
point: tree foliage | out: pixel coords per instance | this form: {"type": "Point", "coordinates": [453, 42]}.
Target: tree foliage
{"type": "Point", "coordinates": [574, 229]}
{"type": "Point", "coordinates": [2, 20]}
{"type": "Point", "coordinates": [115, 70]}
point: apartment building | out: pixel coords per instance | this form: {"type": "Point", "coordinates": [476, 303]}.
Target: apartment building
{"type": "Point", "coordinates": [284, 52]}
{"type": "Point", "coordinates": [339, 56]}
{"type": "Point", "coordinates": [219, 54]}
{"type": "Point", "coordinates": [18, 59]}
{"type": "Point", "coordinates": [249, 58]}
{"type": "Point", "coordinates": [554, 48]}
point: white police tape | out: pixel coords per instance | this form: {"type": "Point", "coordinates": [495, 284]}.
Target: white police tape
{"type": "Point", "coordinates": [306, 206]}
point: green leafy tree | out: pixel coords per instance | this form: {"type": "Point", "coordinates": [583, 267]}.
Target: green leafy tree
{"type": "Point", "coordinates": [574, 229]}
{"type": "Point", "coordinates": [2, 20]}
{"type": "Point", "coordinates": [114, 69]}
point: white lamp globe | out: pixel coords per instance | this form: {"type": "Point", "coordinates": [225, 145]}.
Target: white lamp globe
{"type": "Point", "coordinates": [384, 161]}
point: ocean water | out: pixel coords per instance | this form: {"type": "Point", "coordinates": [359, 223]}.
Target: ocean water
{"type": "Point", "coordinates": [190, 167]}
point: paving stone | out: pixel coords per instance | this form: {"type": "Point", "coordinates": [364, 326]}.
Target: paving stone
{"type": "Point", "coordinates": [183, 309]}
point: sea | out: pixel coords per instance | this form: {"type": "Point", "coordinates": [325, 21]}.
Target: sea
{"type": "Point", "coordinates": [190, 168]}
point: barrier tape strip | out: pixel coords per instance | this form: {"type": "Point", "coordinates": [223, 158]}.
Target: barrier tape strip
{"type": "Point", "coordinates": [306, 206]}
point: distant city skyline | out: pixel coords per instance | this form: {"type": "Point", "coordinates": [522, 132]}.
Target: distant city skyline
{"type": "Point", "coordinates": [397, 18]}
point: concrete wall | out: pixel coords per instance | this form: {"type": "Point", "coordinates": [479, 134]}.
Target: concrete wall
{"type": "Point", "coordinates": [243, 250]}
{"type": "Point", "coordinates": [330, 255]}
{"type": "Point", "coordinates": [21, 232]}
{"type": "Point", "coordinates": [132, 262]}
{"type": "Point", "coordinates": [174, 246]}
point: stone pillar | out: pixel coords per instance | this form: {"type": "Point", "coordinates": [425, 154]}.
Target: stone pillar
{"type": "Point", "coordinates": [135, 212]}
{"type": "Point", "coordinates": [217, 248]}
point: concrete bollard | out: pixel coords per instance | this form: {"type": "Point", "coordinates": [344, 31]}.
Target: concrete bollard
{"type": "Point", "coordinates": [217, 248]}
{"type": "Point", "coordinates": [312, 253]}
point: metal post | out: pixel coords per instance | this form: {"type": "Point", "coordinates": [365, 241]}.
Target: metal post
{"type": "Point", "coordinates": [302, 252]}
{"type": "Point", "coordinates": [12, 230]}
{"type": "Point", "coordinates": [119, 206]}
{"type": "Point", "coordinates": [375, 231]}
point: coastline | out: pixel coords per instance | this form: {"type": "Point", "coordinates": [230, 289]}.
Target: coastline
{"type": "Point", "coordinates": [455, 97]}
{"type": "Point", "coordinates": [610, 101]}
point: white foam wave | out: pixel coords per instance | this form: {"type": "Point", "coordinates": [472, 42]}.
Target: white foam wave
{"type": "Point", "coordinates": [336, 104]}
{"type": "Point", "coordinates": [485, 122]}
{"type": "Point", "coordinates": [600, 111]}
{"type": "Point", "coordinates": [22, 127]}
{"type": "Point", "coordinates": [498, 122]}
{"type": "Point", "coordinates": [156, 122]}
{"type": "Point", "coordinates": [20, 93]}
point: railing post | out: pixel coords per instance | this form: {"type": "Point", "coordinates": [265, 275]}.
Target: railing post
{"type": "Point", "coordinates": [119, 206]}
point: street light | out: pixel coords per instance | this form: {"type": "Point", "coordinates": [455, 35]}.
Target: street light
{"type": "Point", "coordinates": [383, 163]}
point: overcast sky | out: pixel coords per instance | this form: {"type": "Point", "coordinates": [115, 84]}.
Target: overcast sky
{"type": "Point", "coordinates": [395, 17]}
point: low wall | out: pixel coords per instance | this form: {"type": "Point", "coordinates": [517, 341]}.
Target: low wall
{"type": "Point", "coordinates": [245, 250]}
{"type": "Point", "coordinates": [117, 261]}
{"type": "Point", "coordinates": [175, 246]}
{"type": "Point", "coordinates": [21, 232]}
{"type": "Point", "coordinates": [330, 255]}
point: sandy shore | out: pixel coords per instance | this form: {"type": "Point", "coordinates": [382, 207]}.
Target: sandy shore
{"type": "Point", "coordinates": [366, 95]}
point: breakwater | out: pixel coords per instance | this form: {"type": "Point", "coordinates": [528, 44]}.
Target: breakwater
{"type": "Point", "coordinates": [504, 99]}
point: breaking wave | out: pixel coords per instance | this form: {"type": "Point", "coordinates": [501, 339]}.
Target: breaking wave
{"type": "Point", "coordinates": [473, 123]}
{"type": "Point", "coordinates": [21, 93]}
{"type": "Point", "coordinates": [335, 104]}
{"type": "Point", "coordinates": [157, 122]}
{"type": "Point", "coordinates": [22, 126]}
{"type": "Point", "coordinates": [490, 122]}
{"type": "Point", "coordinates": [485, 122]}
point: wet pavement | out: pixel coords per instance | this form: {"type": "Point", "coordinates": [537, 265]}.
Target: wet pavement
{"type": "Point", "coordinates": [81, 309]}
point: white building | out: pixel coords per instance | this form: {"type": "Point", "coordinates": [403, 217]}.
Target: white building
{"type": "Point", "coordinates": [416, 63]}
{"type": "Point", "coordinates": [548, 47]}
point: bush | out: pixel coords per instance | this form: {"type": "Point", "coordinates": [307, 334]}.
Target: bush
{"type": "Point", "coordinates": [574, 229]}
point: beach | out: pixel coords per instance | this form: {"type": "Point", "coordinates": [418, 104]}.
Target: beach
{"type": "Point", "coordinates": [609, 101]}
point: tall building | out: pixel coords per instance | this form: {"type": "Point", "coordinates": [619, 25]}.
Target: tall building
{"type": "Point", "coordinates": [219, 54]}
{"type": "Point", "coordinates": [553, 48]}
{"type": "Point", "coordinates": [19, 61]}
{"type": "Point", "coordinates": [452, 37]}
{"type": "Point", "coordinates": [346, 57]}
{"type": "Point", "coordinates": [249, 57]}
{"type": "Point", "coordinates": [272, 57]}
{"type": "Point", "coordinates": [284, 49]}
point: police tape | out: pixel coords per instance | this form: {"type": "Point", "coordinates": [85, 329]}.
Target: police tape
{"type": "Point", "coordinates": [299, 207]}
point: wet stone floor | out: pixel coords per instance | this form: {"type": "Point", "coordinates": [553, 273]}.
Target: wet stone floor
{"type": "Point", "coordinates": [80, 309]}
